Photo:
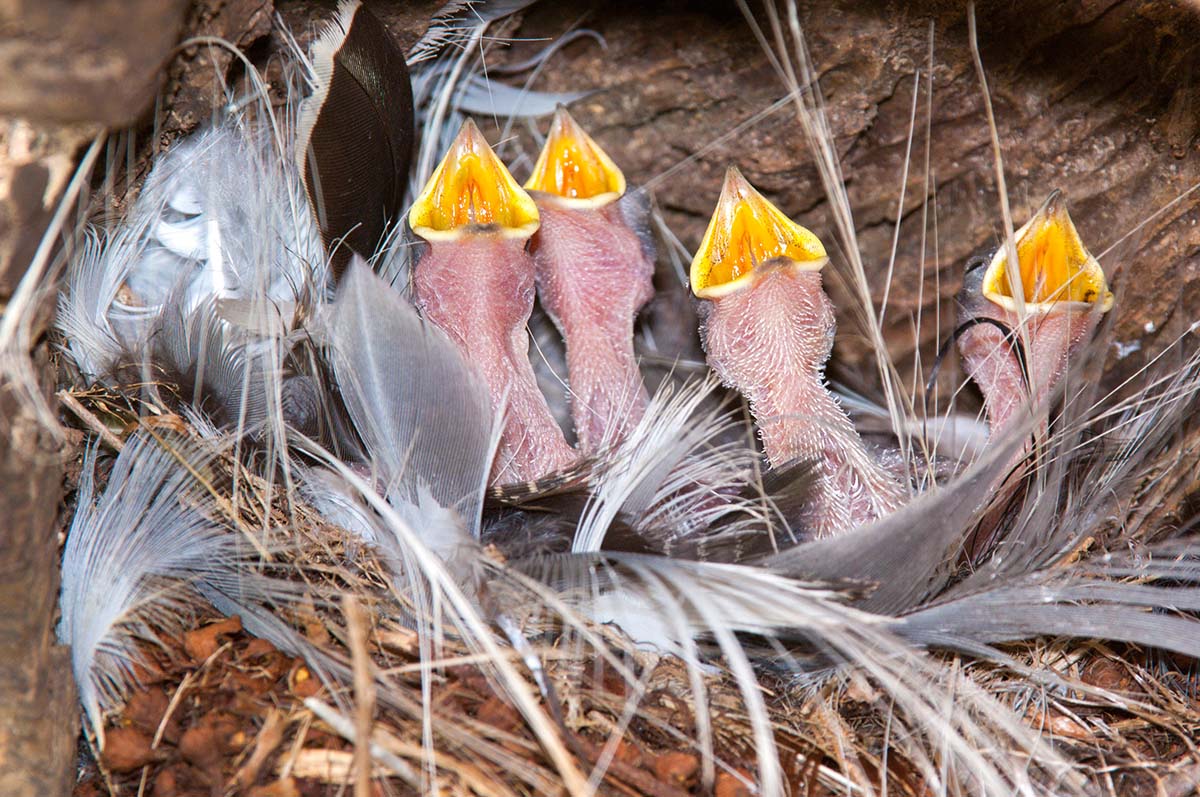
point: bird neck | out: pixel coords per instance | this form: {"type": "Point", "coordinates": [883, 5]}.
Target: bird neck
{"type": "Point", "coordinates": [1011, 390]}
{"type": "Point", "coordinates": [593, 277]}
{"type": "Point", "coordinates": [479, 290]}
{"type": "Point", "coordinates": [770, 341]}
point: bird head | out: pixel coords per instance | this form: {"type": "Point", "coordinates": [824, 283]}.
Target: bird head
{"type": "Point", "coordinates": [574, 169]}
{"type": "Point", "coordinates": [746, 237]}
{"type": "Point", "coordinates": [471, 193]}
{"type": "Point", "coordinates": [1019, 329]}
{"type": "Point", "coordinates": [1056, 272]}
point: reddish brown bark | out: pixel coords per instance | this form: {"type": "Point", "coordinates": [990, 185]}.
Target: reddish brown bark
{"type": "Point", "coordinates": [69, 70]}
{"type": "Point", "coordinates": [1100, 99]}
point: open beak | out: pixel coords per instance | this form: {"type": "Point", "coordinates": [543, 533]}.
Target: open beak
{"type": "Point", "coordinates": [574, 168]}
{"type": "Point", "coordinates": [745, 233]}
{"type": "Point", "coordinates": [472, 192]}
{"type": "Point", "coordinates": [1056, 271]}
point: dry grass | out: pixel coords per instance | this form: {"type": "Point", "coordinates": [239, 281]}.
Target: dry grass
{"type": "Point", "coordinates": [235, 714]}
{"type": "Point", "coordinates": [221, 710]}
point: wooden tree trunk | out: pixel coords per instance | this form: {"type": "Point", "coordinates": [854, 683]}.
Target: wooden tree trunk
{"type": "Point", "coordinates": [1100, 99]}
{"type": "Point", "coordinates": [69, 71]}
{"type": "Point", "coordinates": [38, 711]}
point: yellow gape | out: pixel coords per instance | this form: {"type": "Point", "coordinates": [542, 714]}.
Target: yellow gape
{"type": "Point", "coordinates": [746, 231]}
{"type": "Point", "coordinates": [575, 168]}
{"type": "Point", "coordinates": [472, 191]}
{"type": "Point", "coordinates": [1055, 267]}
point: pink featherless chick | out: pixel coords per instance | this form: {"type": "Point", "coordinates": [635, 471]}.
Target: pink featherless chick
{"type": "Point", "coordinates": [1019, 328]}
{"type": "Point", "coordinates": [475, 280]}
{"type": "Point", "coordinates": [594, 273]}
{"type": "Point", "coordinates": [767, 328]}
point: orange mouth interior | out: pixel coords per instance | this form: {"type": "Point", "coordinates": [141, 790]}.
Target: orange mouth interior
{"type": "Point", "coordinates": [1054, 265]}
{"type": "Point", "coordinates": [572, 166]}
{"type": "Point", "coordinates": [472, 191]}
{"type": "Point", "coordinates": [746, 231]}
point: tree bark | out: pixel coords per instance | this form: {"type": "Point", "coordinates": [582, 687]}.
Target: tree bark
{"type": "Point", "coordinates": [38, 715]}
{"type": "Point", "coordinates": [68, 62]}
{"type": "Point", "coordinates": [69, 70]}
{"type": "Point", "coordinates": [38, 710]}
{"type": "Point", "coordinates": [1101, 99]}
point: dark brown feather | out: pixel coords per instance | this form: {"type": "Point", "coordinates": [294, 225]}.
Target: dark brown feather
{"type": "Point", "coordinates": [357, 152]}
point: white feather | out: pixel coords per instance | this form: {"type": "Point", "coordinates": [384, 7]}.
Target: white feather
{"type": "Point", "coordinates": [130, 554]}
{"type": "Point", "coordinates": [672, 476]}
{"type": "Point", "coordinates": [221, 217]}
{"type": "Point", "coordinates": [97, 328]}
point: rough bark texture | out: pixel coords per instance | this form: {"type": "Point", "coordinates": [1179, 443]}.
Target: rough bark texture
{"type": "Point", "coordinates": [99, 61]}
{"type": "Point", "coordinates": [38, 715]}
{"type": "Point", "coordinates": [69, 70]}
{"type": "Point", "coordinates": [197, 78]}
{"type": "Point", "coordinates": [1100, 99]}
{"type": "Point", "coordinates": [38, 710]}
{"type": "Point", "coordinates": [37, 697]}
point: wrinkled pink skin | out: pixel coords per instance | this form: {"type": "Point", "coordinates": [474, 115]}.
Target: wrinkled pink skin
{"type": "Point", "coordinates": [991, 364]}
{"type": "Point", "coordinates": [989, 360]}
{"type": "Point", "coordinates": [770, 340]}
{"type": "Point", "coordinates": [479, 289]}
{"type": "Point", "coordinates": [592, 278]}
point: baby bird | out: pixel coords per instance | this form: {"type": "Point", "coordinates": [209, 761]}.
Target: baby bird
{"type": "Point", "coordinates": [475, 280]}
{"type": "Point", "coordinates": [1063, 292]}
{"type": "Point", "coordinates": [768, 328]}
{"type": "Point", "coordinates": [594, 273]}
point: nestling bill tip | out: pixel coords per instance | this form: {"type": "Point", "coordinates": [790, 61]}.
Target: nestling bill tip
{"type": "Point", "coordinates": [734, 178]}
{"type": "Point", "coordinates": [563, 127]}
{"type": "Point", "coordinates": [469, 138]}
{"type": "Point", "coordinates": [1055, 203]}
{"type": "Point", "coordinates": [561, 116]}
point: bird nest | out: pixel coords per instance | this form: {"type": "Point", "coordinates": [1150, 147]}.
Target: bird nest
{"type": "Point", "coordinates": [218, 709]}
{"type": "Point", "coordinates": [320, 674]}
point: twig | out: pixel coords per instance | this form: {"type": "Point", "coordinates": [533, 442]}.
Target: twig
{"type": "Point", "coordinates": [265, 743]}
{"type": "Point", "coordinates": [89, 419]}
{"type": "Point", "coordinates": [345, 728]}
{"type": "Point", "coordinates": [364, 693]}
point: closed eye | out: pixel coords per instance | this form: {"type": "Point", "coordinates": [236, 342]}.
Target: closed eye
{"type": "Point", "coordinates": [976, 262]}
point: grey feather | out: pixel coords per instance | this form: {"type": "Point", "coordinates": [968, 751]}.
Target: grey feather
{"type": "Point", "coordinates": [478, 95]}
{"type": "Point", "coordinates": [667, 603]}
{"type": "Point", "coordinates": [97, 327]}
{"type": "Point", "coordinates": [130, 556]}
{"type": "Point", "coordinates": [422, 413]}
{"type": "Point", "coordinates": [219, 369]}
{"type": "Point", "coordinates": [906, 556]}
{"type": "Point", "coordinates": [454, 21]}
{"type": "Point", "coordinates": [1076, 607]}
{"type": "Point", "coordinates": [676, 475]}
